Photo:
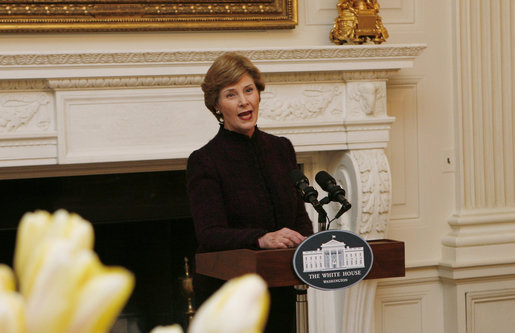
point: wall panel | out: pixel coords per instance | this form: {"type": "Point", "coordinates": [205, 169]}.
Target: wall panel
{"type": "Point", "coordinates": [403, 150]}
{"type": "Point", "coordinates": [411, 304]}
{"type": "Point", "coordinates": [489, 309]}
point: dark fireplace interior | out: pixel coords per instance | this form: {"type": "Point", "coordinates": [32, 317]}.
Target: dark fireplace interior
{"type": "Point", "coordinates": [141, 221]}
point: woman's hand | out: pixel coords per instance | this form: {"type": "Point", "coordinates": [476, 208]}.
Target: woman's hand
{"type": "Point", "coordinates": [280, 239]}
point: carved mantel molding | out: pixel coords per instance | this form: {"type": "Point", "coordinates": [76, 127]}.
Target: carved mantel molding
{"type": "Point", "coordinates": [189, 62]}
{"type": "Point", "coordinates": [393, 51]}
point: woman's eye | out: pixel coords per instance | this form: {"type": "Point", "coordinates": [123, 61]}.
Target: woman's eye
{"type": "Point", "coordinates": [250, 89]}
{"type": "Point", "coordinates": [229, 95]}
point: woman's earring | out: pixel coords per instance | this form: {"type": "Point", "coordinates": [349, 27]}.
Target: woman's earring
{"type": "Point", "coordinates": [220, 118]}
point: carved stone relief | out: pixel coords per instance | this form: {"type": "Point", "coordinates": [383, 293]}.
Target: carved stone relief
{"type": "Point", "coordinates": [308, 102]}
{"type": "Point", "coordinates": [375, 190]}
{"type": "Point", "coordinates": [25, 112]}
{"type": "Point", "coordinates": [366, 99]}
{"type": "Point", "coordinates": [370, 189]}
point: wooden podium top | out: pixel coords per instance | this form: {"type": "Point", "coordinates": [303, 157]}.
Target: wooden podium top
{"type": "Point", "coordinates": [276, 267]}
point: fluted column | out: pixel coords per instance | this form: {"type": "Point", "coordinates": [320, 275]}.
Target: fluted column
{"type": "Point", "coordinates": [484, 222]}
{"type": "Point", "coordinates": [486, 104]}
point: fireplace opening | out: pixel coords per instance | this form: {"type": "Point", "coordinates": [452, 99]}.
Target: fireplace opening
{"type": "Point", "coordinates": [141, 221]}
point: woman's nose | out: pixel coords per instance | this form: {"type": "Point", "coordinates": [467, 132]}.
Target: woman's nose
{"type": "Point", "coordinates": [243, 100]}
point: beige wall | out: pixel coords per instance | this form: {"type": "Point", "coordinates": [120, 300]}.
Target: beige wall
{"type": "Point", "coordinates": [454, 105]}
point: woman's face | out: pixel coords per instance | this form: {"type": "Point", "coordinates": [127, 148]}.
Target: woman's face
{"type": "Point", "coordinates": [239, 104]}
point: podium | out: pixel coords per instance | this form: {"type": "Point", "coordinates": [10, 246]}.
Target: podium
{"type": "Point", "coordinates": [275, 266]}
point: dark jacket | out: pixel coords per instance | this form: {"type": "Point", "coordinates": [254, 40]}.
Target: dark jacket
{"type": "Point", "coordinates": [239, 188]}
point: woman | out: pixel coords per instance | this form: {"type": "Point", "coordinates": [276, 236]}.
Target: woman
{"type": "Point", "coordinates": [239, 188]}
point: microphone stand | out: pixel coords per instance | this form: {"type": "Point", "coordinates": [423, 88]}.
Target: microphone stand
{"type": "Point", "coordinates": [322, 217]}
{"type": "Point", "coordinates": [323, 226]}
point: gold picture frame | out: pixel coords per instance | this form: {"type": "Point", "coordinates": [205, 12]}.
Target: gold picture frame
{"type": "Point", "coordinates": [145, 15]}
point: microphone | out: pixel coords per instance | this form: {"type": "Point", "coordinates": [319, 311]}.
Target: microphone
{"type": "Point", "coordinates": [335, 192]}
{"type": "Point", "coordinates": [308, 193]}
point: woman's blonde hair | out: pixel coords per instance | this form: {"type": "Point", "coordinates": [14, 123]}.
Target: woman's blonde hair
{"type": "Point", "coordinates": [228, 69]}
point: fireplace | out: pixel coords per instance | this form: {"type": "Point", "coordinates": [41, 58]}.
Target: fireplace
{"type": "Point", "coordinates": [110, 113]}
{"type": "Point", "coordinates": [141, 222]}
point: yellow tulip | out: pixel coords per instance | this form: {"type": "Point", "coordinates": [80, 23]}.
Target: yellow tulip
{"type": "Point", "coordinates": [31, 229]}
{"type": "Point", "coordinates": [12, 308]}
{"type": "Point", "coordinates": [7, 282]}
{"type": "Point", "coordinates": [66, 287]}
{"type": "Point", "coordinates": [38, 229]}
{"type": "Point", "coordinates": [240, 306]}
{"type": "Point", "coordinates": [12, 312]}
{"type": "Point", "coordinates": [58, 277]}
{"type": "Point", "coordinates": [100, 301]}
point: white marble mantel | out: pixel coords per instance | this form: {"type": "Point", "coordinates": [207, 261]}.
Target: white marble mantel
{"type": "Point", "coordinates": [97, 111]}
{"type": "Point", "coordinates": [62, 108]}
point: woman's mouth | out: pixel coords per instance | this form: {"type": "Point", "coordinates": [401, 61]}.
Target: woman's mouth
{"type": "Point", "coordinates": [247, 115]}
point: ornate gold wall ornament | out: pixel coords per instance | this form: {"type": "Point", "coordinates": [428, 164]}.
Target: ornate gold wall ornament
{"type": "Point", "coordinates": [145, 15]}
{"type": "Point", "coordinates": [357, 21]}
